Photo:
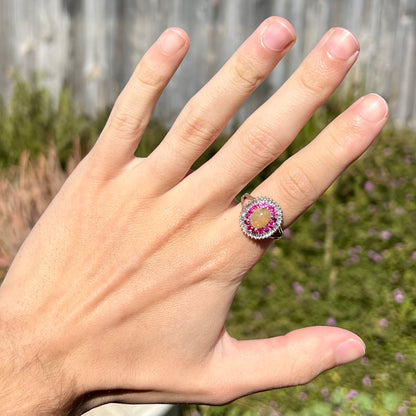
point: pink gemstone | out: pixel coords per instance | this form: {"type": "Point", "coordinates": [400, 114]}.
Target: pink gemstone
{"type": "Point", "coordinates": [266, 229]}
{"type": "Point", "coordinates": [254, 207]}
{"type": "Point", "coordinates": [260, 231]}
{"type": "Point", "coordinates": [247, 216]}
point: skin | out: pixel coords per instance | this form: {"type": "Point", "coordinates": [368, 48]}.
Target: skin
{"type": "Point", "coordinates": [122, 289]}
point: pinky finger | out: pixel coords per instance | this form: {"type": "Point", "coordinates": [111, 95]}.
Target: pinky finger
{"type": "Point", "coordinates": [134, 106]}
{"type": "Point", "coordinates": [303, 178]}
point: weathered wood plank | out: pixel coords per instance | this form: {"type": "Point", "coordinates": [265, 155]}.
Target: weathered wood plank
{"type": "Point", "coordinates": [93, 45]}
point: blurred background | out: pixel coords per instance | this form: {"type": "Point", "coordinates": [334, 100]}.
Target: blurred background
{"type": "Point", "coordinates": [349, 261]}
{"type": "Point", "coordinates": [93, 45]}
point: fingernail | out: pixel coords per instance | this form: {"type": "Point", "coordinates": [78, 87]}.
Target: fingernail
{"type": "Point", "coordinates": [349, 350]}
{"type": "Point", "coordinates": [373, 108]}
{"type": "Point", "coordinates": [342, 44]}
{"type": "Point", "coordinates": [277, 36]}
{"type": "Point", "coordinates": [172, 41]}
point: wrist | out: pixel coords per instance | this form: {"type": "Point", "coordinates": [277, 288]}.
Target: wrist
{"type": "Point", "coordinates": [29, 384]}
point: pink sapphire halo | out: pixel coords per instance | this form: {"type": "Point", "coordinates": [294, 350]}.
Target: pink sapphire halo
{"type": "Point", "coordinates": [260, 218]}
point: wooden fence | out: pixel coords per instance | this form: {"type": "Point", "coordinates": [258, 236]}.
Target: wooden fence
{"type": "Point", "coordinates": [93, 45]}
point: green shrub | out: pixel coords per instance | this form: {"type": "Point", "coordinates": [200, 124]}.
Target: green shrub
{"type": "Point", "coordinates": [32, 122]}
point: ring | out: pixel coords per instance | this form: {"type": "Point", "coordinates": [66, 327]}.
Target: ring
{"type": "Point", "coordinates": [260, 218]}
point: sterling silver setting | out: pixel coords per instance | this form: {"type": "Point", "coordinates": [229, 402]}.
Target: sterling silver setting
{"type": "Point", "coordinates": [273, 227]}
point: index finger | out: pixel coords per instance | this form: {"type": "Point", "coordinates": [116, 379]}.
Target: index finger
{"type": "Point", "coordinates": [134, 106]}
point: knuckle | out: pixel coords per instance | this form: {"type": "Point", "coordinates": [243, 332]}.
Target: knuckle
{"type": "Point", "coordinates": [244, 75]}
{"type": "Point", "coordinates": [260, 145]}
{"type": "Point", "coordinates": [313, 78]}
{"type": "Point", "coordinates": [297, 374]}
{"type": "Point", "coordinates": [198, 130]}
{"type": "Point", "coordinates": [125, 125]}
{"type": "Point", "coordinates": [149, 77]}
{"type": "Point", "coordinates": [342, 142]}
{"type": "Point", "coordinates": [338, 146]}
{"type": "Point", "coordinates": [298, 186]}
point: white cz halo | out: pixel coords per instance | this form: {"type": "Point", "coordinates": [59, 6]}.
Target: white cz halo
{"type": "Point", "coordinates": [264, 224]}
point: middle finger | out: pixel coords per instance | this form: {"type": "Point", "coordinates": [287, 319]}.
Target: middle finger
{"type": "Point", "coordinates": [269, 130]}
{"type": "Point", "coordinates": [207, 113]}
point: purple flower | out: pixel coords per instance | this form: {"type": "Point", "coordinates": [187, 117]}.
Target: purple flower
{"type": "Point", "coordinates": [366, 381]}
{"type": "Point", "coordinates": [303, 396]}
{"type": "Point", "coordinates": [354, 259]}
{"type": "Point", "coordinates": [387, 151]}
{"type": "Point", "coordinates": [372, 232]}
{"type": "Point", "coordinates": [401, 410]}
{"type": "Point", "coordinates": [324, 392]}
{"type": "Point", "coordinates": [369, 186]}
{"type": "Point", "coordinates": [376, 257]}
{"type": "Point", "coordinates": [355, 250]}
{"type": "Point", "coordinates": [269, 288]}
{"type": "Point", "coordinates": [398, 296]}
{"type": "Point", "coordinates": [384, 323]}
{"type": "Point", "coordinates": [385, 235]}
{"type": "Point", "coordinates": [287, 233]}
{"type": "Point", "coordinates": [297, 288]}
{"type": "Point", "coordinates": [365, 361]}
{"type": "Point", "coordinates": [315, 295]}
{"type": "Point", "coordinates": [414, 256]}
{"type": "Point", "coordinates": [399, 357]}
{"type": "Point", "coordinates": [331, 321]}
{"type": "Point", "coordinates": [352, 394]}
{"type": "Point", "coordinates": [273, 404]}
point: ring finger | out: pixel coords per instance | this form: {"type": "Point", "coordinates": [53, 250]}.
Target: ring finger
{"type": "Point", "coordinates": [269, 130]}
{"type": "Point", "coordinates": [304, 177]}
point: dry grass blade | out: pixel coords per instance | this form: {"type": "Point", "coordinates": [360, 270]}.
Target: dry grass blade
{"type": "Point", "coordinates": [25, 192]}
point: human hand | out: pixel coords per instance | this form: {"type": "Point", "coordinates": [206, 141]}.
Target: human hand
{"type": "Point", "coordinates": [121, 291]}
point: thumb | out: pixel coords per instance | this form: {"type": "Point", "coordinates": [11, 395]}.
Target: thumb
{"type": "Point", "coordinates": [245, 367]}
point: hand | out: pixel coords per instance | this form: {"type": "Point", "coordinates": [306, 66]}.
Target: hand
{"type": "Point", "coordinates": [121, 291]}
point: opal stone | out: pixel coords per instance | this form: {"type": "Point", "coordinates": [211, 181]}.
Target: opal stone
{"type": "Point", "coordinates": [260, 218]}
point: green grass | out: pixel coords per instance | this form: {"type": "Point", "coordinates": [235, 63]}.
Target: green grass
{"type": "Point", "coordinates": [350, 259]}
